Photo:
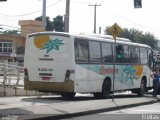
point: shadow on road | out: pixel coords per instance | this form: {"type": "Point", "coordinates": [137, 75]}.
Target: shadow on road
{"type": "Point", "coordinates": [58, 99]}
{"type": "Point", "coordinates": [14, 111]}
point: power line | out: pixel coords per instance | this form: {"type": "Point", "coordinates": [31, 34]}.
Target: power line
{"type": "Point", "coordinates": [80, 2]}
{"type": "Point", "coordinates": [30, 12]}
{"type": "Point", "coordinates": [8, 26]}
{"type": "Point", "coordinates": [131, 21]}
{"type": "Point", "coordinates": [17, 28]}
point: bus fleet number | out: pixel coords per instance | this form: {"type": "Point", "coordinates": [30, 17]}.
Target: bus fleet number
{"type": "Point", "coordinates": [45, 69]}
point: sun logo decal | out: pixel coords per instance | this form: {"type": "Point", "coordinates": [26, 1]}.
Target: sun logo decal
{"type": "Point", "coordinates": [43, 42]}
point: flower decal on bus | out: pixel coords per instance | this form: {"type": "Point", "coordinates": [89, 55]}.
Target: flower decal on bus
{"type": "Point", "coordinates": [44, 42]}
{"type": "Point", "coordinates": [52, 44]}
{"type": "Point", "coordinates": [132, 72]}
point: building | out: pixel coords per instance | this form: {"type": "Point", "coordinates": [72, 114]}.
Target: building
{"type": "Point", "coordinates": [11, 46]}
{"type": "Point", "coordinates": [30, 26]}
{"type": "Point", "coordinates": [8, 47]}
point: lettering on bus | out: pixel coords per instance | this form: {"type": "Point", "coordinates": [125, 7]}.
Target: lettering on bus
{"type": "Point", "coordinates": [45, 69]}
{"type": "Point", "coordinates": [109, 70]}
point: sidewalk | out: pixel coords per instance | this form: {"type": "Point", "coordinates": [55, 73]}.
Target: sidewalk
{"type": "Point", "coordinates": [55, 107]}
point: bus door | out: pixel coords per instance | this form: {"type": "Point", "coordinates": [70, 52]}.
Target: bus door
{"type": "Point", "coordinates": [118, 84]}
{"type": "Point", "coordinates": [122, 58]}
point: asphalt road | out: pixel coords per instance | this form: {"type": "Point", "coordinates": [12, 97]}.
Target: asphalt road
{"type": "Point", "coordinates": [146, 109]}
{"type": "Point", "coordinates": [146, 112]}
{"type": "Point", "coordinates": [55, 107]}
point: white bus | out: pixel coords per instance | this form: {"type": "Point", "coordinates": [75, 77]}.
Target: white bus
{"type": "Point", "coordinates": [66, 64]}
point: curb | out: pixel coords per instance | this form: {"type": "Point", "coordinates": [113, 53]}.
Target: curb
{"type": "Point", "coordinates": [90, 112]}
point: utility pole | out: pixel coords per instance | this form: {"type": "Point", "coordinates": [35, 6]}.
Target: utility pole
{"type": "Point", "coordinates": [44, 15]}
{"type": "Point", "coordinates": [95, 6]}
{"type": "Point", "coordinates": [99, 30]}
{"type": "Point", "coordinates": [66, 19]}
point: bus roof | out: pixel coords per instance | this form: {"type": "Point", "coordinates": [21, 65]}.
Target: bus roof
{"type": "Point", "coordinates": [50, 33]}
{"type": "Point", "coordinates": [110, 37]}
{"type": "Point", "coordinates": [105, 38]}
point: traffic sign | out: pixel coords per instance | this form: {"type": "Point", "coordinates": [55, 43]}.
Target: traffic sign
{"type": "Point", "coordinates": [115, 30]}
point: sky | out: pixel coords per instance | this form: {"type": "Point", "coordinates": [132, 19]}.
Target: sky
{"type": "Point", "coordinates": [122, 12]}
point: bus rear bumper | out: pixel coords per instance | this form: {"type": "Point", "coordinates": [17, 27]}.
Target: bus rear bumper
{"type": "Point", "coordinates": [67, 86]}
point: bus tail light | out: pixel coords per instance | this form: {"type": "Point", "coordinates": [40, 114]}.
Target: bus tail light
{"type": "Point", "coordinates": [68, 74]}
{"type": "Point", "coordinates": [46, 78]}
{"type": "Point", "coordinates": [26, 77]}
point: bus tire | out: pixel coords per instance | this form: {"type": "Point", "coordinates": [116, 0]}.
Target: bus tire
{"type": "Point", "coordinates": [158, 90]}
{"type": "Point", "coordinates": [68, 95]}
{"type": "Point", "coordinates": [142, 89]}
{"type": "Point", "coordinates": [106, 89]}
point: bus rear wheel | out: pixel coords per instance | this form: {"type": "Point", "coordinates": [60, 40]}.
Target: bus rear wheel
{"type": "Point", "coordinates": [142, 89]}
{"type": "Point", "coordinates": [158, 90]}
{"type": "Point", "coordinates": [106, 89]}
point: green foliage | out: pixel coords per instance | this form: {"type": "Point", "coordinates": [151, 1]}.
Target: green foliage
{"type": "Point", "coordinates": [57, 24]}
{"type": "Point", "coordinates": [137, 36]}
{"type": "Point", "coordinates": [10, 32]}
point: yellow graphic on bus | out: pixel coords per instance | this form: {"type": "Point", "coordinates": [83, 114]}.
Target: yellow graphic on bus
{"type": "Point", "coordinates": [40, 40]}
{"type": "Point", "coordinates": [139, 70]}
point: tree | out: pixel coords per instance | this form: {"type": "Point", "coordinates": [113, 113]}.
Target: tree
{"type": "Point", "coordinates": [49, 25]}
{"type": "Point", "coordinates": [137, 36]}
{"type": "Point", "coordinates": [10, 32]}
{"type": "Point", "coordinates": [57, 24]}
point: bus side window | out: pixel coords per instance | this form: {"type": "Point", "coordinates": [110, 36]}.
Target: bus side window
{"type": "Point", "coordinates": [143, 55]}
{"type": "Point", "coordinates": [81, 51]}
{"type": "Point", "coordinates": [119, 53]}
{"type": "Point", "coordinates": [94, 52]}
{"type": "Point", "coordinates": [107, 54]}
{"type": "Point", "coordinates": [135, 55]}
{"type": "Point", "coordinates": [127, 55]}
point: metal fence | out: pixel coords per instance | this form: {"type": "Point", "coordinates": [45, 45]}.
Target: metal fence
{"type": "Point", "coordinates": [11, 75]}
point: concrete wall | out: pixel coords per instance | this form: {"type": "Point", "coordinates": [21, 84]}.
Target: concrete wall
{"type": "Point", "coordinates": [18, 91]}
